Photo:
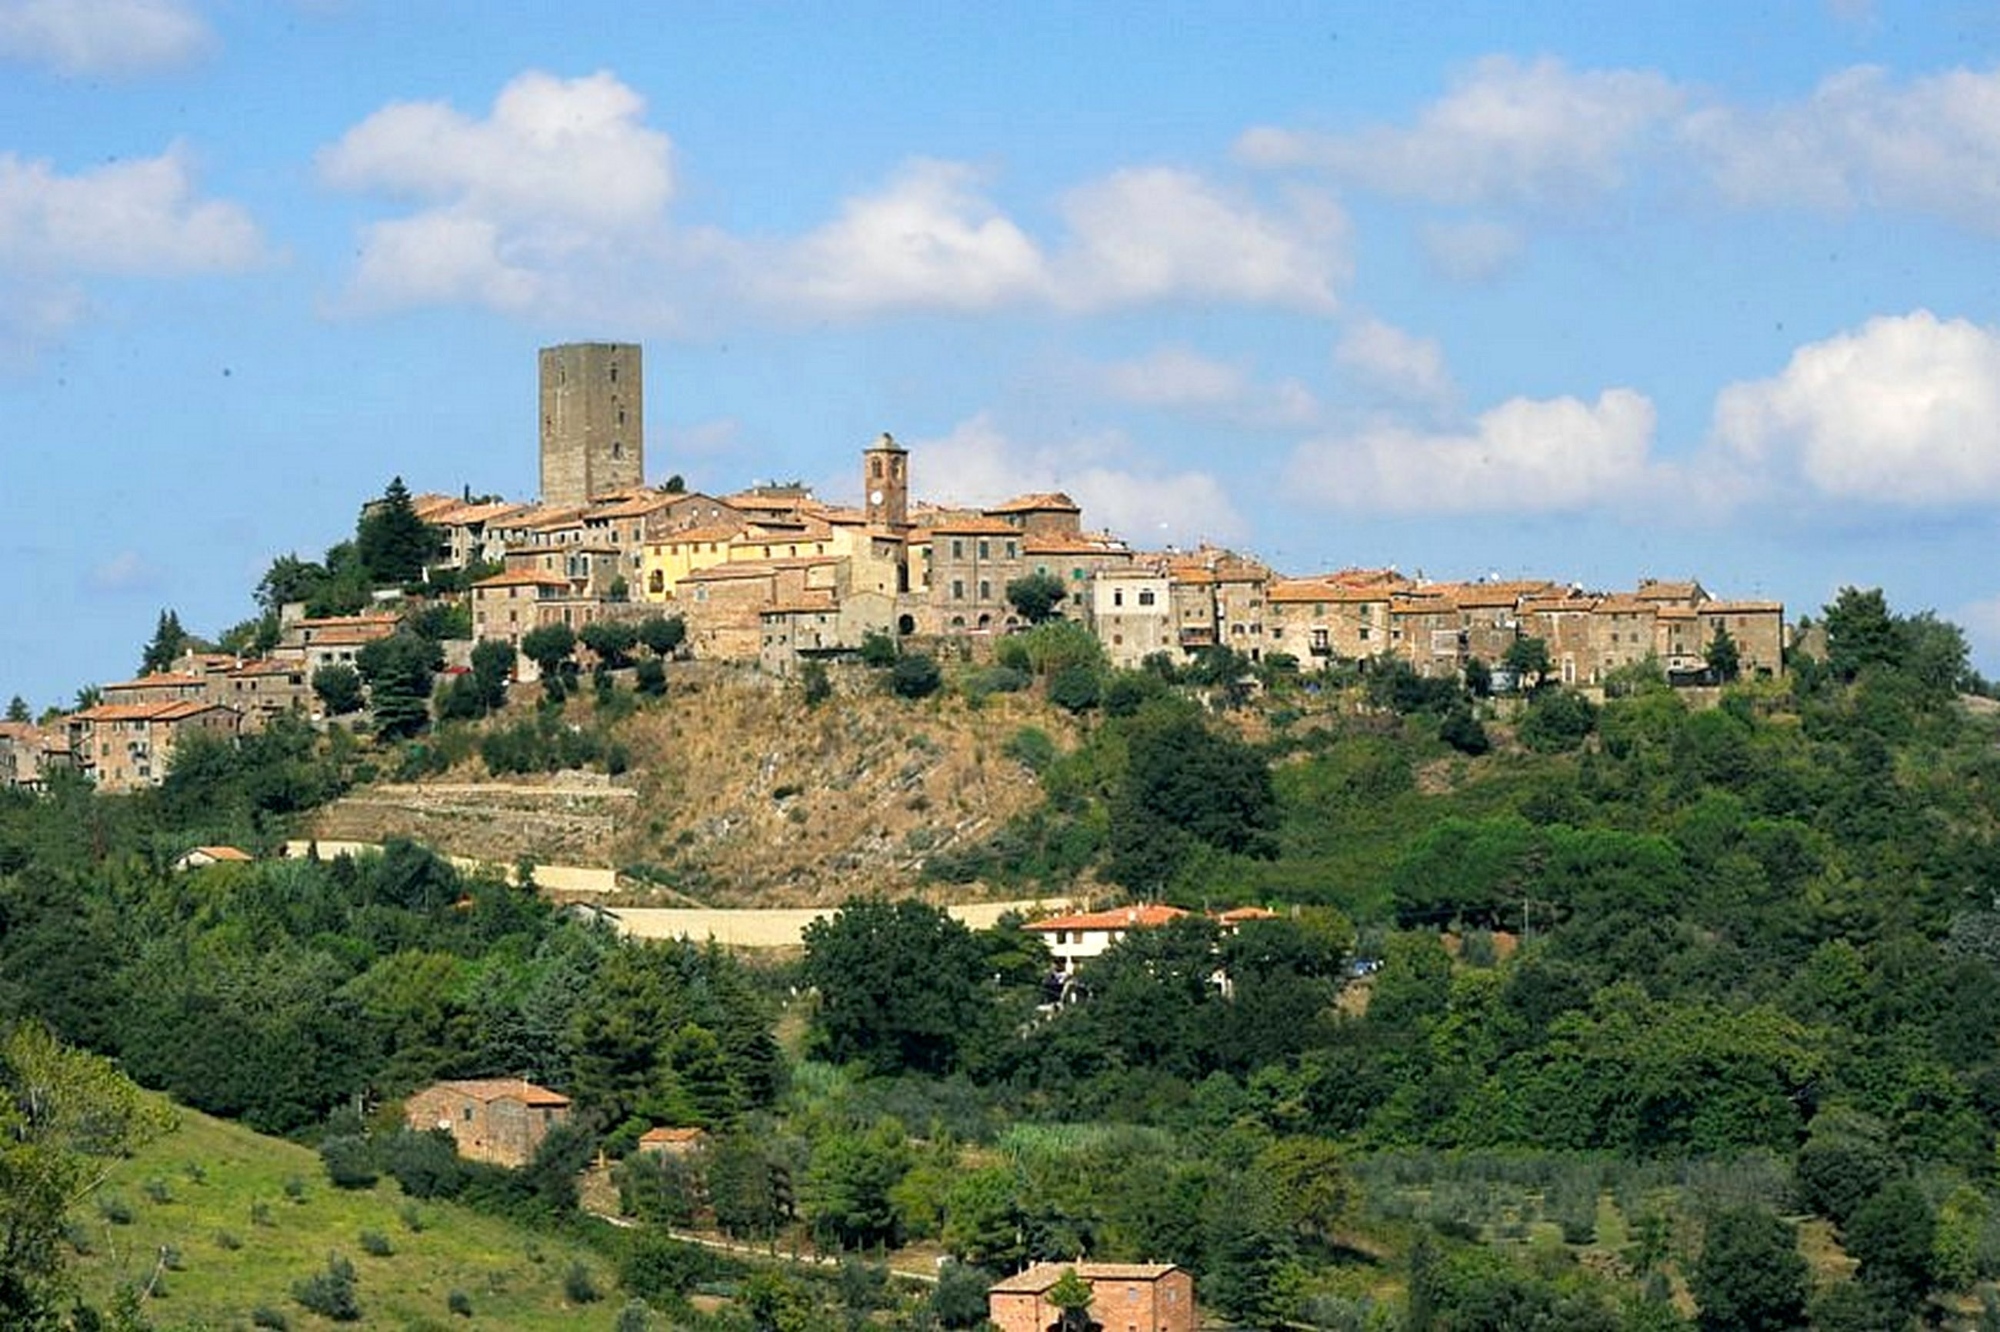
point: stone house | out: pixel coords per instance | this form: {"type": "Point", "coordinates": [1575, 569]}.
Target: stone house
{"type": "Point", "coordinates": [821, 624]}
{"type": "Point", "coordinates": [129, 746]}
{"type": "Point", "coordinates": [723, 605]}
{"type": "Point", "coordinates": [1563, 623]}
{"type": "Point", "coordinates": [263, 689]}
{"type": "Point", "coordinates": [501, 1120]}
{"type": "Point", "coordinates": [670, 557]}
{"type": "Point", "coordinates": [159, 687]}
{"type": "Point", "coordinates": [1624, 631]}
{"type": "Point", "coordinates": [1131, 613]}
{"type": "Point", "coordinates": [24, 755]}
{"type": "Point", "coordinates": [1125, 1297]}
{"type": "Point", "coordinates": [1326, 619]}
{"type": "Point", "coordinates": [1424, 630]}
{"type": "Point", "coordinates": [1048, 515]}
{"type": "Point", "coordinates": [972, 561]}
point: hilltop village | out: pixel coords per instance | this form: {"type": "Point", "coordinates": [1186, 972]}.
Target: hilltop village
{"type": "Point", "coordinates": [772, 576]}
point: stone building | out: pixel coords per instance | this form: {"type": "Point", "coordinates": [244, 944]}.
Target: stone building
{"type": "Point", "coordinates": [128, 746]}
{"type": "Point", "coordinates": [593, 423]}
{"type": "Point", "coordinates": [1125, 1297]}
{"type": "Point", "coordinates": [1131, 612]}
{"type": "Point", "coordinates": [501, 1120]}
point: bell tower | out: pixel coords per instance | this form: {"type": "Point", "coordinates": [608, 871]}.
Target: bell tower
{"type": "Point", "coordinates": [885, 480]}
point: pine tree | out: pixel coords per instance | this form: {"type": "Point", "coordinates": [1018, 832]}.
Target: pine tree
{"type": "Point", "coordinates": [168, 640]}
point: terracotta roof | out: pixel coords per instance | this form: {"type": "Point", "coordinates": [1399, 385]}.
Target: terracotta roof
{"type": "Point", "coordinates": [1048, 501]}
{"type": "Point", "coordinates": [1144, 917]}
{"type": "Point", "coordinates": [1237, 915]}
{"type": "Point", "coordinates": [159, 680]}
{"type": "Point", "coordinates": [1074, 545]}
{"type": "Point", "coordinates": [495, 1089]}
{"type": "Point", "coordinates": [1044, 1275]}
{"type": "Point", "coordinates": [431, 502]}
{"type": "Point", "coordinates": [758, 568]}
{"type": "Point", "coordinates": [1625, 605]}
{"type": "Point", "coordinates": [1661, 589]}
{"type": "Point", "coordinates": [638, 506]}
{"type": "Point", "coordinates": [977, 525]}
{"type": "Point", "coordinates": [1740, 608]}
{"type": "Point", "coordinates": [228, 853]}
{"type": "Point", "coordinates": [1501, 594]}
{"type": "Point", "coordinates": [177, 710]}
{"type": "Point", "coordinates": [264, 666]}
{"type": "Point", "coordinates": [523, 578]}
{"type": "Point", "coordinates": [468, 514]}
{"type": "Point", "coordinates": [1559, 606]}
{"type": "Point", "coordinates": [672, 1137]}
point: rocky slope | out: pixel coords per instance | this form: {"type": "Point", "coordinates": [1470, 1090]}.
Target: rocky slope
{"type": "Point", "coordinates": [739, 794]}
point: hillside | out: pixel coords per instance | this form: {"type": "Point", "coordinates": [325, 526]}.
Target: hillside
{"type": "Point", "coordinates": [737, 793]}
{"type": "Point", "coordinates": [216, 1194]}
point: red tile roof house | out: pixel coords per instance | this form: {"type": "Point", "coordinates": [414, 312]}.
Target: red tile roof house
{"type": "Point", "coordinates": [1125, 1297]}
{"type": "Point", "coordinates": [501, 1120]}
{"type": "Point", "coordinates": [1073, 940]}
{"type": "Point", "coordinates": [673, 1141]}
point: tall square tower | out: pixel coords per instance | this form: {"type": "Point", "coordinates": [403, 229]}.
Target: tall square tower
{"type": "Point", "coordinates": [593, 420]}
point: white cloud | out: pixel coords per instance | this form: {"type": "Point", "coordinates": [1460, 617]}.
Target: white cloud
{"type": "Point", "coordinates": [520, 204]}
{"type": "Point", "coordinates": [978, 463]}
{"type": "Point", "coordinates": [1524, 456]}
{"type": "Point", "coordinates": [1507, 131]}
{"type": "Point", "coordinates": [930, 240]}
{"type": "Point", "coordinates": [933, 239]}
{"type": "Point", "coordinates": [1931, 145]}
{"type": "Point", "coordinates": [1180, 380]}
{"type": "Point", "coordinates": [92, 37]}
{"type": "Point", "coordinates": [141, 217]}
{"type": "Point", "coordinates": [1906, 410]}
{"type": "Point", "coordinates": [1389, 360]}
{"type": "Point", "coordinates": [1152, 234]}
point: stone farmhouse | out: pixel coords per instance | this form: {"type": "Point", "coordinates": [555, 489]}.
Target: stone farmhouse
{"type": "Point", "coordinates": [501, 1120]}
{"type": "Point", "coordinates": [1125, 1297]}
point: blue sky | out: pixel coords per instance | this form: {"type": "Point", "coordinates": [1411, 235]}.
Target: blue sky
{"type": "Point", "coordinates": [1585, 291]}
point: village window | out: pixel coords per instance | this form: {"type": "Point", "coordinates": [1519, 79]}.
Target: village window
{"type": "Point", "coordinates": [957, 549]}
{"type": "Point", "coordinates": [466, 1114]}
{"type": "Point", "coordinates": [958, 589]}
{"type": "Point", "coordinates": [985, 590]}
{"type": "Point", "coordinates": [614, 374]}
{"type": "Point", "coordinates": [984, 549]}
{"type": "Point", "coordinates": [1010, 550]}
{"type": "Point", "coordinates": [1145, 598]}
{"type": "Point", "coordinates": [1117, 598]}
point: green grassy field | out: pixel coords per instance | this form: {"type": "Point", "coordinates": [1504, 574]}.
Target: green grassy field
{"type": "Point", "coordinates": [218, 1195]}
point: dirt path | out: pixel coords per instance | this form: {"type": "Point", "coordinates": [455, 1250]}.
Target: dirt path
{"type": "Point", "coordinates": [783, 927]}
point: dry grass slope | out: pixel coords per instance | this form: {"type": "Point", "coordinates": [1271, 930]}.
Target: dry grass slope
{"type": "Point", "coordinates": [741, 795]}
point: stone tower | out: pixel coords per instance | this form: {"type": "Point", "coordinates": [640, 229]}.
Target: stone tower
{"type": "Point", "coordinates": [885, 476]}
{"type": "Point", "coordinates": [593, 420]}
